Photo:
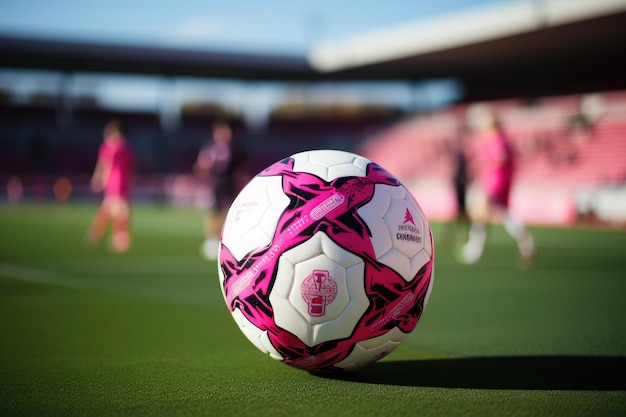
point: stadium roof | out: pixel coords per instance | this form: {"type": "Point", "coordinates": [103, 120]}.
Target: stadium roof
{"type": "Point", "coordinates": [92, 57]}
{"type": "Point", "coordinates": [515, 48]}
{"type": "Point", "coordinates": [518, 48]}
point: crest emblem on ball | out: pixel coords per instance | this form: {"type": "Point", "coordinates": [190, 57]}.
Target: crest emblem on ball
{"type": "Point", "coordinates": [318, 290]}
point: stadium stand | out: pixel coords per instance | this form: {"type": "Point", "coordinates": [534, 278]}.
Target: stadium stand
{"type": "Point", "coordinates": [568, 152]}
{"type": "Point", "coordinates": [41, 142]}
{"type": "Point", "coordinates": [570, 148]}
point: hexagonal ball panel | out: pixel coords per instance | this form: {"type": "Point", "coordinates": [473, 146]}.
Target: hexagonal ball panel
{"type": "Point", "coordinates": [400, 232]}
{"type": "Point", "coordinates": [341, 277]}
{"type": "Point", "coordinates": [257, 336]}
{"type": "Point", "coordinates": [330, 164]}
{"type": "Point", "coordinates": [371, 350]}
{"type": "Point", "coordinates": [253, 216]}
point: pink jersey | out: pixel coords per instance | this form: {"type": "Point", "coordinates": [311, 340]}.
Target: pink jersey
{"type": "Point", "coordinates": [118, 156]}
{"type": "Point", "coordinates": [496, 169]}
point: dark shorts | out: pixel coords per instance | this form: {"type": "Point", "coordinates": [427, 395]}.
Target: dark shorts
{"type": "Point", "coordinates": [223, 195]}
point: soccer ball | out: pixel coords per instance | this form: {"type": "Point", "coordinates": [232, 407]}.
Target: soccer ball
{"type": "Point", "coordinates": [326, 261]}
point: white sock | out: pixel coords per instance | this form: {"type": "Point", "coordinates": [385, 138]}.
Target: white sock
{"type": "Point", "coordinates": [517, 231]}
{"type": "Point", "coordinates": [210, 248]}
{"type": "Point", "coordinates": [473, 249]}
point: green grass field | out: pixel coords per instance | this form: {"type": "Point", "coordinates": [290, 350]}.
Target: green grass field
{"type": "Point", "coordinates": [84, 332]}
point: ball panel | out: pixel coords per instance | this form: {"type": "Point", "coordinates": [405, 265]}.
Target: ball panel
{"type": "Point", "coordinates": [428, 237]}
{"type": "Point", "coordinates": [403, 218]}
{"type": "Point", "coordinates": [419, 260]}
{"type": "Point", "coordinates": [430, 286]}
{"type": "Point", "coordinates": [373, 349]}
{"type": "Point", "coordinates": [399, 231]}
{"type": "Point", "coordinates": [400, 263]}
{"type": "Point", "coordinates": [330, 164]}
{"type": "Point", "coordinates": [318, 299]}
{"type": "Point", "coordinates": [254, 215]}
{"type": "Point", "coordinates": [373, 214]}
{"type": "Point", "coordinates": [258, 337]}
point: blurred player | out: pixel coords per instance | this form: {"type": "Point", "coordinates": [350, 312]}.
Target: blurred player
{"type": "Point", "coordinates": [217, 162]}
{"type": "Point", "coordinates": [112, 176]}
{"type": "Point", "coordinates": [495, 167]}
{"type": "Point", "coordinates": [459, 177]}
{"type": "Point", "coordinates": [456, 230]}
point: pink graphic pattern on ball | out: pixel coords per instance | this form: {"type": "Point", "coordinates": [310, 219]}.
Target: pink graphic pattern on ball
{"type": "Point", "coordinates": [330, 207]}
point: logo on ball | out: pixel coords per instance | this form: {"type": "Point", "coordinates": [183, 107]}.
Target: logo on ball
{"type": "Point", "coordinates": [408, 217]}
{"type": "Point", "coordinates": [318, 290]}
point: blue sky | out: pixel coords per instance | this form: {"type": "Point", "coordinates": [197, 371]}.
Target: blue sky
{"type": "Point", "coordinates": [266, 26]}
{"type": "Point", "coordinates": [288, 27]}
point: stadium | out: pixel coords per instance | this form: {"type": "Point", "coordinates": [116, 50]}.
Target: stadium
{"type": "Point", "coordinates": [91, 332]}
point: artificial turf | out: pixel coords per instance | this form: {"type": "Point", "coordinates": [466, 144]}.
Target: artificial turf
{"type": "Point", "coordinates": [87, 332]}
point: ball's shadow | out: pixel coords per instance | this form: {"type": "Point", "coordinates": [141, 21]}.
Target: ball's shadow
{"type": "Point", "coordinates": [603, 373]}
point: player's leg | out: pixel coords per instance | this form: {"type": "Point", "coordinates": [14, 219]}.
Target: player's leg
{"type": "Point", "coordinates": [120, 214]}
{"type": "Point", "coordinates": [214, 219]}
{"type": "Point", "coordinates": [455, 231]}
{"type": "Point", "coordinates": [473, 249]}
{"type": "Point", "coordinates": [98, 227]}
{"type": "Point", "coordinates": [518, 231]}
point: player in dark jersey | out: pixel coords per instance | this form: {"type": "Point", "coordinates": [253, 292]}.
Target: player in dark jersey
{"type": "Point", "coordinates": [217, 161]}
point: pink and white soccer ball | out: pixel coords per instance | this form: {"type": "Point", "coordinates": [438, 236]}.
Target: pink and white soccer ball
{"type": "Point", "coordinates": [326, 261]}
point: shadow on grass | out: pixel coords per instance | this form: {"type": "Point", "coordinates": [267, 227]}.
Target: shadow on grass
{"type": "Point", "coordinates": [601, 373]}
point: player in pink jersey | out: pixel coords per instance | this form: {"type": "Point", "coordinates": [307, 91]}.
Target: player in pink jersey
{"type": "Point", "coordinates": [495, 166]}
{"type": "Point", "coordinates": [112, 176]}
